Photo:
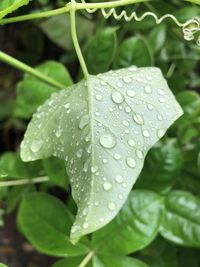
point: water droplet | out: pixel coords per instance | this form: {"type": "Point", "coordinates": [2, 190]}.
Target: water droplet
{"type": "Point", "coordinates": [160, 118]}
{"type": "Point", "coordinates": [149, 106]}
{"type": "Point", "coordinates": [161, 92]}
{"type": "Point", "coordinates": [84, 121]}
{"type": "Point", "coordinates": [117, 97]}
{"type": "Point", "coordinates": [98, 97]}
{"type": "Point", "coordinates": [127, 79]}
{"type": "Point", "coordinates": [119, 84]}
{"type": "Point", "coordinates": [79, 153]}
{"type": "Point", "coordinates": [131, 162]}
{"type": "Point", "coordinates": [130, 93]}
{"type": "Point", "coordinates": [107, 141]}
{"type": "Point", "coordinates": [145, 133]}
{"type": "Point", "coordinates": [148, 89]}
{"type": "Point", "coordinates": [117, 156]}
{"type": "Point", "coordinates": [67, 105]}
{"type": "Point", "coordinates": [111, 206]}
{"type": "Point", "coordinates": [107, 186]}
{"type": "Point", "coordinates": [162, 100]}
{"type": "Point", "coordinates": [139, 154]}
{"type": "Point", "coordinates": [105, 161]}
{"type": "Point", "coordinates": [128, 109]}
{"type": "Point", "coordinates": [94, 169]}
{"type": "Point", "coordinates": [119, 179]}
{"type": "Point", "coordinates": [125, 123]}
{"type": "Point", "coordinates": [131, 142]}
{"type": "Point", "coordinates": [85, 225]}
{"type": "Point", "coordinates": [138, 119]}
{"type": "Point", "coordinates": [161, 133]}
{"type": "Point", "coordinates": [59, 132]}
{"type": "Point", "coordinates": [103, 83]}
{"type": "Point", "coordinates": [36, 145]}
{"type": "Point", "coordinates": [120, 196]}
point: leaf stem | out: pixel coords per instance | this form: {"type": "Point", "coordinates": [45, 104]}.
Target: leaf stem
{"type": "Point", "coordinates": [24, 181]}
{"type": "Point", "coordinates": [86, 260]}
{"type": "Point", "coordinates": [75, 38]}
{"type": "Point", "coordinates": [22, 66]}
{"type": "Point", "coordinates": [33, 16]}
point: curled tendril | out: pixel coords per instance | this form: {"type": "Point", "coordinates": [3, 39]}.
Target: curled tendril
{"type": "Point", "coordinates": [189, 28]}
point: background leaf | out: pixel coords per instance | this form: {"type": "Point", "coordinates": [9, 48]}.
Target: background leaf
{"type": "Point", "coordinates": [181, 223]}
{"type": "Point", "coordinates": [8, 6]}
{"type": "Point", "coordinates": [134, 227]}
{"type": "Point", "coordinates": [32, 92]}
{"type": "Point", "coordinates": [45, 222]}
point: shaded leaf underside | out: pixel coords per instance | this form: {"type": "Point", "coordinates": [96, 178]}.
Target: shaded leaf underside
{"type": "Point", "coordinates": [103, 129]}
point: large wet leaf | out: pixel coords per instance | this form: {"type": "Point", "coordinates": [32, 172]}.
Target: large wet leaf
{"type": "Point", "coordinates": [8, 6]}
{"type": "Point", "coordinates": [103, 129]}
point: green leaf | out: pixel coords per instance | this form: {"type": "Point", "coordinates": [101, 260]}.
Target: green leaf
{"type": "Point", "coordinates": [32, 92]}
{"type": "Point", "coordinates": [116, 261]}
{"type": "Point", "coordinates": [101, 50]}
{"type": "Point", "coordinates": [1, 217]}
{"type": "Point", "coordinates": [157, 37]}
{"type": "Point", "coordinates": [194, 1]}
{"type": "Point", "coordinates": [56, 171]}
{"type": "Point", "coordinates": [45, 222]}
{"type": "Point", "coordinates": [3, 265]}
{"type": "Point", "coordinates": [8, 6]}
{"type": "Point", "coordinates": [134, 50]}
{"type": "Point", "coordinates": [162, 166]}
{"type": "Point", "coordinates": [58, 30]}
{"type": "Point", "coordinates": [181, 224]}
{"type": "Point", "coordinates": [134, 227]}
{"type": "Point", "coordinates": [103, 128]}
{"type": "Point", "coordinates": [69, 262]}
{"type": "Point", "coordinates": [12, 166]}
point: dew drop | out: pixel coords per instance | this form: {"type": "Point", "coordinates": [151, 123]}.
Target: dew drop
{"type": "Point", "coordinates": [117, 156]}
{"type": "Point", "coordinates": [85, 225]}
{"type": "Point", "coordinates": [127, 79]}
{"type": "Point", "coordinates": [128, 109]}
{"type": "Point", "coordinates": [138, 119]}
{"type": "Point", "coordinates": [107, 141]}
{"type": "Point", "coordinates": [125, 123]}
{"type": "Point", "coordinates": [145, 133]}
{"type": "Point", "coordinates": [84, 121]}
{"type": "Point", "coordinates": [161, 92]}
{"type": "Point", "coordinates": [148, 89]}
{"type": "Point", "coordinates": [105, 161]}
{"type": "Point", "coordinates": [117, 97]}
{"type": "Point", "coordinates": [119, 179]}
{"type": "Point", "coordinates": [149, 106]}
{"type": "Point", "coordinates": [160, 118]}
{"type": "Point", "coordinates": [67, 105]}
{"type": "Point", "coordinates": [36, 145]}
{"type": "Point", "coordinates": [94, 169]}
{"type": "Point", "coordinates": [120, 196]}
{"type": "Point", "coordinates": [59, 132]}
{"type": "Point", "coordinates": [111, 206]}
{"type": "Point", "coordinates": [130, 93]}
{"type": "Point", "coordinates": [139, 154]}
{"type": "Point", "coordinates": [161, 133]}
{"type": "Point", "coordinates": [131, 142]}
{"type": "Point", "coordinates": [162, 100]}
{"type": "Point", "coordinates": [79, 153]}
{"type": "Point", "coordinates": [131, 162]}
{"type": "Point", "coordinates": [98, 97]}
{"type": "Point", "coordinates": [107, 186]}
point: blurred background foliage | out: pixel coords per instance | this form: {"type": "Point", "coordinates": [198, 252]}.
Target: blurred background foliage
{"type": "Point", "coordinates": [173, 164]}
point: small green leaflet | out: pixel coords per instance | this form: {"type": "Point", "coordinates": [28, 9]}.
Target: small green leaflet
{"type": "Point", "coordinates": [8, 6]}
{"type": "Point", "coordinates": [103, 129]}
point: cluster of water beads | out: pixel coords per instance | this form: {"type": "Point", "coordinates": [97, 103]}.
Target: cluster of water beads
{"type": "Point", "coordinates": [119, 128]}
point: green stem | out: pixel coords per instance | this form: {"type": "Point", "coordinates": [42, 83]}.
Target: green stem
{"type": "Point", "coordinates": [79, 6]}
{"type": "Point", "coordinates": [87, 259]}
{"type": "Point", "coordinates": [75, 39]}
{"type": "Point", "coordinates": [21, 66]}
{"type": "Point", "coordinates": [33, 16]}
{"type": "Point", "coordinates": [24, 181]}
